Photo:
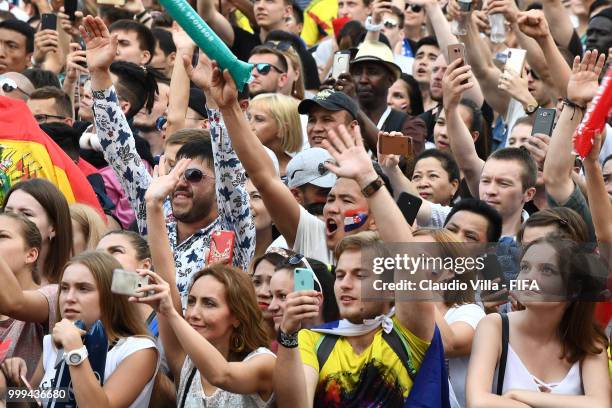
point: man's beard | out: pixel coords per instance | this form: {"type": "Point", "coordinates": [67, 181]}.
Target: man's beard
{"type": "Point", "coordinates": [197, 212]}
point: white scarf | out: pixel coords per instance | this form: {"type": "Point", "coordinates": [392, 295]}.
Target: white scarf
{"type": "Point", "coordinates": [347, 329]}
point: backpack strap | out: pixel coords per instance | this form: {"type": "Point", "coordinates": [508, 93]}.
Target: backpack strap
{"type": "Point", "coordinates": [324, 348]}
{"type": "Point", "coordinates": [188, 386]}
{"type": "Point", "coordinates": [399, 347]}
{"type": "Point", "coordinates": [504, 354]}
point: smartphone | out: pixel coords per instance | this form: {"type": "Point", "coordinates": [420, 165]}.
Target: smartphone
{"type": "Point", "coordinates": [409, 205]}
{"type": "Point", "coordinates": [401, 145]}
{"type": "Point", "coordinates": [27, 384]}
{"type": "Point", "coordinates": [456, 51]}
{"type": "Point", "coordinates": [112, 2]}
{"type": "Point", "coordinates": [84, 48]}
{"type": "Point", "coordinates": [70, 7]}
{"type": "Point", "coordinates": [48, 21]}
{"type": "Point", "coordinates": [544, 121]}
{"type": "Point", "coordinates": [303, 279]}
{"type": "Point", "coordinates": [221, 247]}
{"type": "Point", "coordinates": [515, 60]}
{"type": "Point", "coordinates": [341, 64]}
{"type": "Point", "coordinates": [465, 5]}
{"type": "Point", "coordinates": [126, 283]}
{"type": "Point", "coordinates": [195, 57]}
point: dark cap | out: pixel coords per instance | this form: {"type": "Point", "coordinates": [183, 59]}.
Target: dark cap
{"type": "Point", "coordinates": [330, 100]}
{"type": "Point", "coordinates": [197, 101]}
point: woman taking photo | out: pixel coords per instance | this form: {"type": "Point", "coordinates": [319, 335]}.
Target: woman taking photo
{"type": "Point", "coordinates": [20, 243]}
{"type": "Point", "coordinates": [132, 359]}
{"type": "Point", "coordinates": [570, 366]}
{"type": "Point", "coordinates": [275, 120]}
{"type": "Point", "coordinates": [42, 202]}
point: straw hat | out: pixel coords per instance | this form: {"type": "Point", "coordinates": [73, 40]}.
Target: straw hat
{"type": "Point", "coordinates": [379, 52]}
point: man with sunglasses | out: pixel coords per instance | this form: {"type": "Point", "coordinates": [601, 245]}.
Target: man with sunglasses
{"type": "Point", "coordinates": [269, 71]}
{"type": "Point", "coordinates": [208, 196]}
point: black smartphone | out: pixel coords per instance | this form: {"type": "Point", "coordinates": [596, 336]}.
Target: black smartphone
{"type": "Point", "coordinates": [195, 57]}
{"type": "Point", "coordinates": [48, 21]}
{"type": "Point", "coordinates": [409, 205]}
{"type": "Point", "coordinates": [544, 121]}
{"type": "Point", "coordinates": [70, 7]}
{"type": "Point", "coordinates": [82, 43]}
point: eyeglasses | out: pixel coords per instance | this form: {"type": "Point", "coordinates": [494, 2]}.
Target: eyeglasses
{"type": "Point", "coordinates": [194, 175]}
{"type": "Point", "coordinates": [264, 68]}
{"type": "Point", "coordinates": [390, 24]}
{"type": "Point", "coordinates": [533, 74]}
{"type": "Point", "coordinates": [9, 85]}
{"type": "Point", "coordinates": [415, 8]}
{"type": "Point", "coordinates": [42, 118]}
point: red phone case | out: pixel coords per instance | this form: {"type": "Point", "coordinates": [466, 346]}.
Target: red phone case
{"type": "Point", "coordinates": [221, 247]}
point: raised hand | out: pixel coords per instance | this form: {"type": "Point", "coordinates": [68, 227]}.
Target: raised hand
{"type": "Point", "coordinates": [583, 81]}
{"type": "Point", "coordinates": [379, 7]}
{"type": "Point", "coordinates": [388, 161]}
{"type": "Point", "coordinates": [45, 41]}
{"type": "Point", "coordinates": [537, 145]}
{"type": "Point", "coordinates": [506, 7]}
{"type": "Point", "coordinates": [201, 75]}
{"type": "Point", "coordinates": [346, 84]}
{"type": "Point", "coordinates": [163, 184]}
{"type": "Point", "coordinates": [517, 87]}
{"type": "Point", "coordinates": [300, 306]}
{"type": "Point", "coordinates": [157, 294]}
{"type": "Point", "coordinates": [70, 27]}
{"type": "Point", "coordinates": [76, 56]}
{"type": "Point", "coordinates": [352, 160]}
{"type": "Point", "coordinates": [223, 88]}
{"type": "Point", "coordinates": [181, 39]}
{"type": "Point", "coordinates": [457, 79]}
{"type": "Point", "coordinates": [593, 155]}
{"type": "Point", "coordinates": [101, 46]}
{"type": "Point", "coordinates": [533, 23]}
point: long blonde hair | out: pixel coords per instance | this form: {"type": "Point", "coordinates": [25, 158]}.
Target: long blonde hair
{"type": "Point", "coordinates": [91, 223]}
{"type": "Point", "coordinates": [284, 110]}
{"type": "Point", "coordinates": [119, 317]}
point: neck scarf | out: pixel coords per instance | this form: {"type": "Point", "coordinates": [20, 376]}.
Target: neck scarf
{"type": "Point", "coordinates": [347, 329]}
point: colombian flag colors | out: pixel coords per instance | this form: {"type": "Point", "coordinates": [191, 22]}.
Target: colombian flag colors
{"type": "Point", "coordinates": [27, 152]}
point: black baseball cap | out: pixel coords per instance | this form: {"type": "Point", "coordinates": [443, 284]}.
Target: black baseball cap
{"type": "Point", "coordinates": [330, 100]}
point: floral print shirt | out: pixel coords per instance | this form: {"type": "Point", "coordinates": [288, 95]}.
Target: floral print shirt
{"type": "Point", "coordinates": [232, 198]}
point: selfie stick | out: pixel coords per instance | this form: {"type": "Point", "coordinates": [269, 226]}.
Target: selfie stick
{"type": "Point", "coordinates": [595, 119]}
{"type": "Point", "coordinates": [208, 41]}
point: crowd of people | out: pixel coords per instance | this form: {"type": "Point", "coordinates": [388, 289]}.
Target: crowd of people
{"type": "Point", "coordinates": [247, 220]}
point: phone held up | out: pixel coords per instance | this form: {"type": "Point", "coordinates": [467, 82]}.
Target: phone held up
{"type": "Point", "coordinates": [221, 247]}
{"type": "Point", "coordinates": [303, 279]}
{"type": "Point", "coordinates": [544, 121]}
{"type": "Point", "coordinates": [48, 21]}
{"type": "Point", "coordinates": [126, 283]}
{"type": "Point", "coordinates": [401, 145]}
{"type": "Point", "coordinates": [341, 64]}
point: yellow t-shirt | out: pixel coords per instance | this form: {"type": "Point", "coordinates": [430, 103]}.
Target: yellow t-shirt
{"type": "Point", "coordinates": [376, 377]}
{"type": "Point", "coordinates": [325, 11]}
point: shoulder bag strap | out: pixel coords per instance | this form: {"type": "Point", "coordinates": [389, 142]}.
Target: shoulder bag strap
{"type": "Point", "coordinates": [188, 386]}
{"type": "Point", "coordinates": [504, 354]}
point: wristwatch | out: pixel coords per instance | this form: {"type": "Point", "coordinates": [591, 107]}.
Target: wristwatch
{"type": "Point", "coordinates": [370, 26]}
{"type": "Point", "coordinates": [372, 187]}
{"type": "Point", "coordinates": [287, 340]}
{"type": "Point", "coordinates": [76, 357]}
{"type": "Point", "coordinates": [530, 109]}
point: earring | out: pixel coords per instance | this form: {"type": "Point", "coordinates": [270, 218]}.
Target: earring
{"type": "Point", "coordinates": [236, 342]}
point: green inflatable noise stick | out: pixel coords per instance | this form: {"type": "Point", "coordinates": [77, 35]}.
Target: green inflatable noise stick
{"type": "Point", "coordinates": [208, 41]}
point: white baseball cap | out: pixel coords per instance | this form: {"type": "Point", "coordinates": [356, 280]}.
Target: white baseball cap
{"type": "Point", "coordinates": [308, 167]}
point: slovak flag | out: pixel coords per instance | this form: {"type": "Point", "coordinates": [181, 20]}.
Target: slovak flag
{"type": "Point", "coordinates": [353, 219]}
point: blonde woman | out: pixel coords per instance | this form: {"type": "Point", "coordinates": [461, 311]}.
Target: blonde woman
{"type": "Point", "coordinates": [87, 228]}
{"type": "Point", "coordinates": [275, 120]}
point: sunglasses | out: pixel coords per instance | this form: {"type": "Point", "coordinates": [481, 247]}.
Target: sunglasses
{"type": "Point", "coordinates": [533, 74]}
{"type": "Point", "coordinates": [160, 122]}
{"type": "Point", "coordinates": [264, 68]}
{"type": "Point", "coordinates": [9, 85]}
{"type": "Point", "coordinates": [390, 24]}
{"type": "Point", "coordinates": [415, 8]}
{"type": "Point", "coordinates": [280, 45]}
{"type": "Point", "coordinates": [194, 175]}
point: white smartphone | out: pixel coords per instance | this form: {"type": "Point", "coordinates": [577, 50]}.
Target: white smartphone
{"type": "Point", "coordinates": [515, 60]}
{"type": "Point", "coordinates": [341, 64]}
{"type": "Point", "coordinates": [126, 283]}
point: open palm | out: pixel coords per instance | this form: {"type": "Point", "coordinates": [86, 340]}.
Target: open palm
{"type": "Point", "coordinates": [101, 46]}
{"type": "Point", "coordinates": [346, 147]}
{"type": "Point", "coordinates": [201, 75]}
{"type": "Point", "coordinates": [583, 84]}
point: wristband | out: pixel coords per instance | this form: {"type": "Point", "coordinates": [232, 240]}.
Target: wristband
{"type": "Point", "coordinates": [287, 340]}
{"type": "Point", "coordinates": [369, 26]}
{"type": "Point", "coordinates": [573, 104]}
{"type": "Point", "coordinates": [372, 187]}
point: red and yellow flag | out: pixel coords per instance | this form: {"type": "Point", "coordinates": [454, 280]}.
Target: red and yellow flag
{"type": "Point", "coordinates": [27, 152]}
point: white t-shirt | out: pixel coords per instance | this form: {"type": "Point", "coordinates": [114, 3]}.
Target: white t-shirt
{"type": "Point", "coordinates": [471, 314]}
{"type": "Point", "coordinates": [122, 350]}
{"type": "Point", "coordinates": [310, 238]}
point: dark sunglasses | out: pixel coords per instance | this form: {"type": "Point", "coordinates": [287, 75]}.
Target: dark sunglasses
{"type": "Point", "coordinates": [534, 75]}
{"type": "Point", "coordinates": [264, 68]}
{"type": "Point", "coordinates": [390, 24]}
{"type": "Point", "coordinates": [280, 45]}
{"type": "Point", "coordinates": [415, 8]}
{"type": "Point", "coordinates": [299, 259]}
{"type": "Point", "coordinates": [194, 175]}
{"type": "Point", "coordinates": [8, 85]}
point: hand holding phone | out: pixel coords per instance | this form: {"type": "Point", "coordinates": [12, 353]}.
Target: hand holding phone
{"type": "Point", "coordinates": [48, 21]}
{"type": "Point", "coordinates": [126, 283]}
{"type": "Point", "coordinates": [401, 145]}
{"type": "Point", "coordinates": [544, 121]}
{"type": "Point", "coordinates": [341, 64]}
{"type": "Point", "coordinates": [221, 247]}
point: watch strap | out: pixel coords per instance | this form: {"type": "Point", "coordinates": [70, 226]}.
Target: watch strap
{"type": "Point", "coordinates": [372, 187]}
{"type": "Point", "coordinates": [81, 352]}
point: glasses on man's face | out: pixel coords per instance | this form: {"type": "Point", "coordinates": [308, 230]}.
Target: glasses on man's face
{"type": "Point", "coordinates": [415, 8]}
{"type": "Point", "coordinates": [9, 85]}
{"type": "Point", "coordinates": [42, 117]}
{"type": "Point", "coordinates": [390, 24]}
{"type": "Point", "coordinates": [265, 68]}
{"type": "Point", "coordinates": [194, 175]}
{"type": "Point", "coordinates": [533, 74]}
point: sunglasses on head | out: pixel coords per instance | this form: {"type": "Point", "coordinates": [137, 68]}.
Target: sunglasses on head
{"type": "Point", "coordinates": [415, 8]}
{"type": "Point", "coordinates": [194, 175]}
{"type": "Point", "coordinates": [264, 68]}
{"type": "Point", "coordinates": [160, 122]}
{"type": "Point", "coordinates": [390, 23]}
{"type": "Point", "coordinates": [279, 45]}
{"type": "Point", "coordinates": [9, 85]}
